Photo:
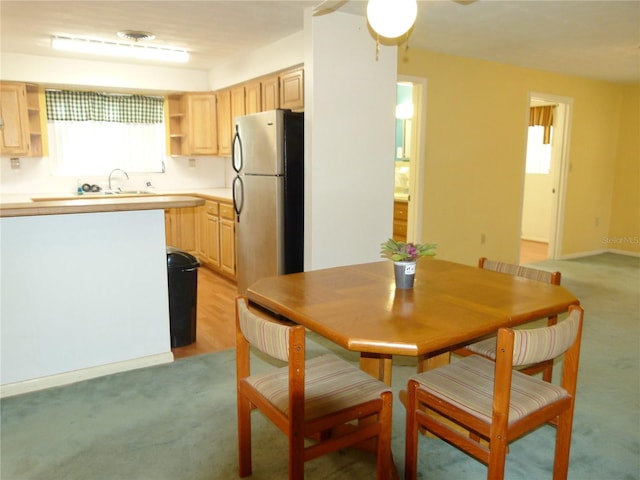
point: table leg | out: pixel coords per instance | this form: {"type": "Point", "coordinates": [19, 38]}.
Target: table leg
{"type": "Point", "coordinates": [426, 362]}
{"type": "Point", "coordinates": [377, 365]}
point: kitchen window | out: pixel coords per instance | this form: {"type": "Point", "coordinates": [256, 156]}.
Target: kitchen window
{"type": "Point", "coordinates": [92, 133]}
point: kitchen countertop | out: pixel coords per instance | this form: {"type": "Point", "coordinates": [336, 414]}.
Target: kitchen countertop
{"type": "Point", "coordinates": [218, 194]}
{"type": "Point", "coordinates": [98, 204]}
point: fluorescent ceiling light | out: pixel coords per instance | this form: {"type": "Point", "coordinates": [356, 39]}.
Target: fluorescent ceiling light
{"type": "Point", "coordinates": [128, 50]}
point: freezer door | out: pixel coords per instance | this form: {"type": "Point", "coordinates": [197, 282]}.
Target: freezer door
{"type": "Point", "coordinates": [260, 138]}
{"type": "Point", "coordinates": [260, 230]}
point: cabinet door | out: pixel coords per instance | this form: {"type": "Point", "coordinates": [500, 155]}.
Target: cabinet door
{"type": "Point", "coordinates": [237, 104]}
{"type": "Point", "coordinates": [14, 121]}
{"type": "Point", "coordinates": [213, 240]}
{"type": "Point", "coordinates": [187, 229]}
{"type": "Point", "coordinates": [227, 247]}
{"type": "Point", "coordinates": [253, 98]}
{"type": "Point", "coordinates": [201, 114]}
{"type": "Point", "coordinates": [227, 239]}
{"type": "Point", "coordinates": [224, 122]}
{"type": "Point", "coordinates": [292, 89]}
{"type": "Point", "coordinates": [170, 227]}
{"type": "Point", "coordinates": [270, 93]}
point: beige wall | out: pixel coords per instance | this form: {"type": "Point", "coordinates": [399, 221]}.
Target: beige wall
{"type": "Point", "coordinates": [475, 148]}
{"type": "Point", "coordinates": [624, 232]}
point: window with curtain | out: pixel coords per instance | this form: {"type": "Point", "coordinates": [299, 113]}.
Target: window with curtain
{"type": "Point", "coordinates": [539, 139]}
{"type": "Point", "coordinates": [92, 133]}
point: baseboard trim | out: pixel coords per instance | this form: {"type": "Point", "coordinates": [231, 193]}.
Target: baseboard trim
{"type": "Point", "coordinates": [571, 256]}
{"type": "Point", "coordinates": [67, 378]}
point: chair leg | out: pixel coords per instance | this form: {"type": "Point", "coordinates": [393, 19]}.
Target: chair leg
{"type": "Point", "coordinates": [411, 434]}
{"type": "Point", "coordinates": [384, 437]}
{"type": "Point", "coordinates": [563, 445]}
{"type": "Point", "coordinates": [497, 457]}
{"type": "Point", "coordinates": [244, 436]}
{"type": "Point", "coordinates": [296, 455]}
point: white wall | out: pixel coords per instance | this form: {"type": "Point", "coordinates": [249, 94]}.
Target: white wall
{"type": "Point", "coordinates": [35, 177]}
{"type": "Point", "coordinates": [349, 142]}
{"type": "Point", "coordinates": [282, 54]}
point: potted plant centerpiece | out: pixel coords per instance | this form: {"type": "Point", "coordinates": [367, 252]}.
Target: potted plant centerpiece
{"type": "Point", "coordinates": [404, 256]}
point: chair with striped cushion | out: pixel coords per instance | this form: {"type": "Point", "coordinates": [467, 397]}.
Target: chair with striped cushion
{"type": "Point", "coordinates": [497, 402]}
{"type": "Point", "coordinates": [325, 399]}
{"type": "Point", "coordinates": [487, 347]}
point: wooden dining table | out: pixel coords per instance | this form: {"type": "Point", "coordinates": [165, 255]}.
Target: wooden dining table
{"type": "Point", "coordinates": [359, 308]}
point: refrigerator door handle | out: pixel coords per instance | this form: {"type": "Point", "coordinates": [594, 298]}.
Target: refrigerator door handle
{"type": "Point", "coordinates": [236, 152]}
{"type": "Point", "coordinates": [237, 188]}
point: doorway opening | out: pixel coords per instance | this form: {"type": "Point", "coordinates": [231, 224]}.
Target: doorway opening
{"type": "Point", "coordinates": [409, 155]}
{"type": "Point", "coordinates": [546, 168]}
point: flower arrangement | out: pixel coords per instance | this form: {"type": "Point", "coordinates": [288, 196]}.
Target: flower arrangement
{"type": "Point", "coordinates": [407, 252]}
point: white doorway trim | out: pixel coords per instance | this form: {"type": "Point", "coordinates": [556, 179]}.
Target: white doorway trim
{"type": "Point", "coordinates": [560, 166]}
{"type": "Point", "coordinates": [416, 163]}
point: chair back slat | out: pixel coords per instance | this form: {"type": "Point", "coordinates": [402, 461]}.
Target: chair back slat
{"type": "Point", "coordinates": [539, 344]}
{"type": "Point", "coordinates": [520, 271]}
{"type": "Point", "coordinates": [267, 336]}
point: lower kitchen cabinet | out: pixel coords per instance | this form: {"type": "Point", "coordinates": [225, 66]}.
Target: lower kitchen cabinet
{"type": "Point", "coordinates": [217, 240]}
{"type": "Point", "coordinates": [227, 240]}
{"type": "Point", "coordinates": [180, 228]}
{"type": "Point", "coordinates": [208, 232]}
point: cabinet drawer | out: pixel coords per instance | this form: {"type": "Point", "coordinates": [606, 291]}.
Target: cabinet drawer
{"type": "Point", "coordinates": [400, 210]}
{"type": "Point", "coordinates": [226, 211]}
{"type": "Point", "coordinates": [212, 207]}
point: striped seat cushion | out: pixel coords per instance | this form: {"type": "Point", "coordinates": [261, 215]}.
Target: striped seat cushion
{"type": "Point", "coordinates": [331, 384]}
{"type": "Point", "coordinates": [468, 384]}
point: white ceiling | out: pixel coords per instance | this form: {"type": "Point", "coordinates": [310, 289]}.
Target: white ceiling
{"type": "Point", "coordinates": [588, 38]}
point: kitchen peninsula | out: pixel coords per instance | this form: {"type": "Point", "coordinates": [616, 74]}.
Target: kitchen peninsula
{"type": "Point", "coordinates": [84, 288]}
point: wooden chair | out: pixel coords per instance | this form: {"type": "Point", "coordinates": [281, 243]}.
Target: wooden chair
{"type": "Point", "coordinates": [487, 347]}
{"type": "Point", "coordinates": [496, 402]}
{"type": "Point", "coordinates": [325, 399]}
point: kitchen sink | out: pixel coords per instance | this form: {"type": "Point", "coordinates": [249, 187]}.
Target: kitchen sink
{"type": "Point", "coordinates": [128, 192]}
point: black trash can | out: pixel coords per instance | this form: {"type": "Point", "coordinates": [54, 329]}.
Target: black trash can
{"type": "Point", "coordinates": [182, 271]}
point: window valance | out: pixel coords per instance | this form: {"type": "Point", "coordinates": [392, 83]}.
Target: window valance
{"type": "Point", "coordinates": [66, 105]}
{"type": "Point", "coordinates": [542, 116]}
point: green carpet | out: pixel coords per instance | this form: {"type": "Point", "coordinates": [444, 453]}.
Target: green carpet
{"type": "Point", "coordinates": [178, 421]}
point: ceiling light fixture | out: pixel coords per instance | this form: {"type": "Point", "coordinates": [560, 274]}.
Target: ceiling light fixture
{"type": "Point", "coordinates": [127, 50]}
{"type": "Point", "coordinates": [136, 35]}
{"type": "Point", "coordinates": [392, 18]}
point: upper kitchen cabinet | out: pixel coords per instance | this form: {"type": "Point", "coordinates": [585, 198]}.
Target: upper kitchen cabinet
{"type": "Point", "coordinates": [224, 122]}
{"type": "Point", "coordinates": [231, 104]}
{"type": "Point", "coordinates": [21, 126]}
{"type": "Point", "coordinates": [253, 97]}
{"type": "Point", "coordinates": [193, 124]}
{"type": "Point", "coordinates": [292, 89]}
{"type": "Point", "coordinates": [283, 90]}
{"type": "Point", "coordinates": [270, 88]}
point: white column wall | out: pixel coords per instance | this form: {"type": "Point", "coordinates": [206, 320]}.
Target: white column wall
{"type": "Point", "coordinates": [349, 141]}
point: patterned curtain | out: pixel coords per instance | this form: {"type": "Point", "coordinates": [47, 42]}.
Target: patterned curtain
{"type": "Point", "coordinates": [542, 116]}
{"type": "Point", "coordinates": [64, 105]}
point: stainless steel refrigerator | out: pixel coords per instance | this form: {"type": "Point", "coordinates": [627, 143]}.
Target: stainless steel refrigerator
{"type": "Point", "coordinates": [268, 195]}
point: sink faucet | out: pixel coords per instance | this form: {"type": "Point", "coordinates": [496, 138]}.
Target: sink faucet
{"type": "Point", "coordinates": [114, 171]}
